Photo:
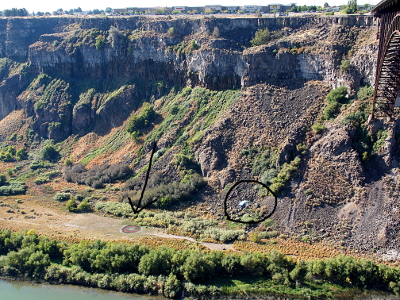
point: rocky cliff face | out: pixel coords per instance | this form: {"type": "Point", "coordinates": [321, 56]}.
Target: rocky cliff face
{"type": "Point", "coordinates": [79, 79]}
{"type": "Point", "coordinates": [184, 52]}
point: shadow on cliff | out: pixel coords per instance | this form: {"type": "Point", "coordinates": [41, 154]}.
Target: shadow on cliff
{"type": "Point", "coordinates": [110, 103]}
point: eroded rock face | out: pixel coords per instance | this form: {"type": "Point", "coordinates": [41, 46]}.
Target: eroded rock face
{"type": "Point", "coordinates": [8, 92]}
{"type": "Point", "coordinates": [141, 49]}
{"type": "Point", "coordinates": [219, 63]}
{"type": "Point", "coordinates": [265, 116]}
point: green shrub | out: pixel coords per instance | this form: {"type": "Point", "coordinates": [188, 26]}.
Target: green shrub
{"type": "Point", "coordinates": [171, 31]}
{"type": "Point", "coordinates": [40, 180]}
{"type": "Point", "coordinates": [71, 205]}
{"type": "Point", "coordinates": [262, 162]}
{"type": "Point", "coordinates": [186, 162]}
{"type": "Point", "coordinates": [21, 154]}
{"type": "Point", "coordinates": [194, 45]}
{"type": "Point", "coordinates": [344, 65]}
{"type": "Point", "coordinates": [140, 122]}
{"type": "Point", "coordinates": [268, 175]}
{"type": "Point", "coordinates": [335, 99]}
{"type": "Point", "coordinates": [331, 110]}
{"type": "Point", "coordinates": [62, 196]}
{"type": "Point", "coordinates": [40, 165]}
{"type": "Point", "coordinates": [365, 92]}
{"type": "Point", "coordinates": [356, 119]}
{"type": "Point", "coordinates": [46, 177]}
{"type": "Point", "coordinates": [8, 153]}
{"type": "Point", "coordinates": [13, 188]}
{"type": "Point", "coordinates": [100, 42]}
{"type": "Point", "coordinates": [287, 172]}
{"type": "Point", "coordinates": [3, 179]}
{"type": "Point", "coordinates": [268, 234]}
{"type": "Point", "coordinates": [174, 110]}
{"type": "Point", "coordinates": [317, 128]}
{"type": "Point", "coordinates": [337, 95]}
{"type": "Point", "coordinates": [50, 153]}
{"type": "Point", "coordinates": [255, 237]}
{"type": "Point", "coordinates": [84, 205]}
{"type": "Point", "coordinates": [69, 162]}
{"type": "Point", "coordinates": [381, 137]}
{"type": "Point", "coordinates": [261, 37]}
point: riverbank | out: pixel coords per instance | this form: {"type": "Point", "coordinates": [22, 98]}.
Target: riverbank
{"type": "Point", "coordinates": [197, 272]}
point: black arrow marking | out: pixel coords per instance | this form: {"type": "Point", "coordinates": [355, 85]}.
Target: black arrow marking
{"type": "Point", "coordinates": [138, 209]}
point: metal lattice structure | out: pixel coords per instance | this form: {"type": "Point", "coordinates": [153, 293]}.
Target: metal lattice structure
{"type": "Point", "coordinates": [387, 79]}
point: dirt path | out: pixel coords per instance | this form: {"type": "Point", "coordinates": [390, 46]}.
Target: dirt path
{"type": "Point", "coordinates": [48, 217]}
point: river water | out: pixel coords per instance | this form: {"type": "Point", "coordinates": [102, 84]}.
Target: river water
{"type": "Point", "coordinates": [16, 290]}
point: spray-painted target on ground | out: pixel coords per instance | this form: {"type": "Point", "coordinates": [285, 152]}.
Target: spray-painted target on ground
{"type": "Point", "coordinates": [249, 202]}
{"type": "Point", "coordinates": [130, 229]}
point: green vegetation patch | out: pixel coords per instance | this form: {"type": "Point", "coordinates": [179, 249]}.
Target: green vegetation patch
{"type": "Point", "coordinates": [163, 270]}
{"type": "Point", "coordinates": [97, 176]}
{"type": "Point", "coordinates": [112, 143]}
{"type": "Point", "coordinates": [201, 105]}
{"type": "Point", "coordinates": [365, 92]}
{"type": "Point", "coordinates": [138, 123]}
{"type": "Point", "coordinates": [13, 188]}
{"type": "Point", "coordinates": [10, 153]}
{"type": "Point", "coordinates": [365, 143]}
{"type": "Point", "coordinates": [160, 189]}
{"type": "Point", "coordinates": [185, 47]}
{"type": "Point", "coordinates": [261, 37]}
{"type": "Point", "coordinates": [46, 177]}
{"type": "Point", "coordinates": [55, 89]}
{"type": "Point", "coordinates": [335, 99]}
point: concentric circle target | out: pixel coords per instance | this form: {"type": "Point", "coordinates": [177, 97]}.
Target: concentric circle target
{"type": "Point", "coordinates": [130, 229]}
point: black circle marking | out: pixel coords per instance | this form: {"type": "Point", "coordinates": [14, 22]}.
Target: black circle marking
{"type": "Point", "coordinates": [249, 222]}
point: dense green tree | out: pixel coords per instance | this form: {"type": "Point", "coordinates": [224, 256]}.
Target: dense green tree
{"type": "Point", "coordinates": [3, 179]}
{"type": "Point", "coordinates": [119, 258]}
{"type": "Point", "coordinates": [351, 7]}
{"type": "Point", "coordinates": [83, 254]}
{"type": "Point", "coordinates": [172, 287]}
{"type": "Point", "coordinates": [299, 272]}
{"type": "Point", "coordinates": [142, 120]}
{"type": "Point", "coordinates": [70, 205]}
{"type": "Point", "coordinates": [197, 268]}
{"type": "Point", "coordinates": [84, 205]}
{"type": "Point", "coordinates": [156, 262]}
{"type": "Point", "coordinates": [50, 153]}
{"type": "Point", "coordinates": [21, 154]}
{"type": "Point", "coordinates": [15, 12]}
{"type": "Point", "coordinates": [177, 261]}
{"type": "Point", "coordinates": [254, 265]}
{"type": "Point", "coordinates": [231, 263]}
{"type": "Point", "coordinates": [261, 37]}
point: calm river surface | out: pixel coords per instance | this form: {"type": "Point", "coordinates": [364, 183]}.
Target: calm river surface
{"type": "Point", "coordinates": [14, 290]}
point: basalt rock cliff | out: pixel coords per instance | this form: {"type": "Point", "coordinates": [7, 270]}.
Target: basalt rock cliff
{"type": "Point", "coordinates": [77, 81]}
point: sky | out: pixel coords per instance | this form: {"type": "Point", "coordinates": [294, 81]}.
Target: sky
{"type": "Point", "coordinates": [50, 6]}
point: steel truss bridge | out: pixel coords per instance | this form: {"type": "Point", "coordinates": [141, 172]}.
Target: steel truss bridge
{"type": "Point", "coordinates": [387, 78]}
